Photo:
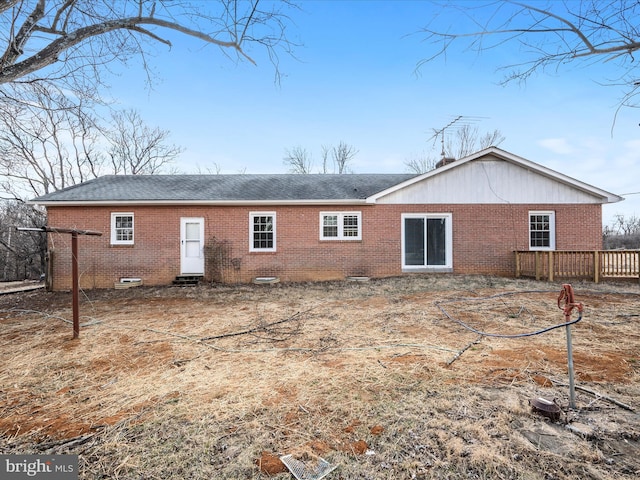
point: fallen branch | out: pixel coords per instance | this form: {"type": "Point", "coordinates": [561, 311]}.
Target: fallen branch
{"type": "Point", "coordinates": [326, 350]}
{"type": "Point", "coordinates": [48, 316]}
{"type": "Point", "coordinates": [259, 328]}
{"type": "Point", "coordinates": [598, 395]}
{"type": "Point", "coordinates": [459, 354]}
{"type": "Point", "coordinates": [57, 446]}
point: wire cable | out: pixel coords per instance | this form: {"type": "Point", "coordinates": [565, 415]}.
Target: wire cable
{"type": "Point", "coordinates": [502, 335]}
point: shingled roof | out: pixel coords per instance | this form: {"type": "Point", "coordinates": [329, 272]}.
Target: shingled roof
{"type": "Point", "coordinates": [276, 188]}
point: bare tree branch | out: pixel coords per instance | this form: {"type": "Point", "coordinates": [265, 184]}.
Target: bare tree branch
{"type": "Point", "coordinates": [16, 45]}
{"type": "Point", "coordinates": [421, 163]}
{"type": "Point", "coordinates": [48, 143]}
{"type": "Point", "coordinates": [467, 140]}
{"type": "Point", "coordinates": [464, 142]}
{"type": "Point", "coordinates": [299, 160]}
{"type": "Point", "coordinates": [7, 4]}
{"type": "Point", "coordinates": [50, 54]}
{"type": "Point", "coordinates": [136, 148]}
{"type": "Point", "coordinates": [342, 155]}
{"type": "Point", "coordinates": [77, 34]}
{"type": "Point", "coordinates": [324, 153]}
{"type": "Point", "coordinates": [551, 35]}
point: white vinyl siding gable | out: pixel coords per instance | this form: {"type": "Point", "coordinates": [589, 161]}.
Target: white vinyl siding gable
{"type": "Point", "coordinates": [488, 181]}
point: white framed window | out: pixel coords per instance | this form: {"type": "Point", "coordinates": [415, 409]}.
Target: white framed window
{"type": "Point", "coordinates": [122, 228]}
{"type": "Point", "coordinates": [262, 231]}
{"type": "Point", "coordinates": [542, 230]}
{"type": "Point", "coordinates": [427, 243]}
{"type": "Point", "coordinates": [340, 226]}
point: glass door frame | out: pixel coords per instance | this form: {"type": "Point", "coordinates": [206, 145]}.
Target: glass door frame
{"type": "Point", "coordinates": [448, 231]}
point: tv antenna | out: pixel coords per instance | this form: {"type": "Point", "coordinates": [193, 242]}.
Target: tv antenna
{"type": "Point", "coordinates": [457, 123]}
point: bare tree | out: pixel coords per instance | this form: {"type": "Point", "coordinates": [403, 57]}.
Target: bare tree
{"type": "Point", "coordinates": [46, 144]}
{"type": "Point", "coordinates": [215, 169]}
{"type": "Point", "coordinates": [22, 254]}
{"type": "Point", "coordinates": [299, 160]}
{"type": "Point", "coordinates": [465, 141]}
{"type": "Point", "coordinates": [342, 155]}
{"type": "Point", "coordinates": [622, 233]}
{"type": "Point", "coordinates": [622, 225]}
{"type": "Point", "coordinates": [138, 149]}
{"type": "Point", "coordinates": [421, 163]}
{"type": "Point", "coordinates": [324, 154]}
{"type": "Point", "coordinates": [52, 144]}
{"type": "Point", "coordinates": [71, 41]}
{"type": "Point", "coordinates": [339, 156]}
{"type": "Point", "coordinates": [551, 35]}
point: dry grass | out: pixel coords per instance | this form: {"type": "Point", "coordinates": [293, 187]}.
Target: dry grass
{"type": "Point", "coordinates": [369, 376]}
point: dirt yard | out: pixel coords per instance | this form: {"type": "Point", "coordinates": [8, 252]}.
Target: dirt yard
{"type": "Point", "coordinates": [385, 379]}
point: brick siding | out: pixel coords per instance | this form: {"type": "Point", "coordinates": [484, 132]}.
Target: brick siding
{"type": "Point", "coordinates": [484, 239]}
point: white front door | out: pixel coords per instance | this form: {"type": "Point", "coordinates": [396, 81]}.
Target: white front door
{"type": "Point", "coordinates": [192, 246]}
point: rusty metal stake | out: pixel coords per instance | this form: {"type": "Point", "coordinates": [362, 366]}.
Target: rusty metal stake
{"type": "Point", "coordinates": [75, 285]}
{"type": "Point", "coordinates": [572, 385]}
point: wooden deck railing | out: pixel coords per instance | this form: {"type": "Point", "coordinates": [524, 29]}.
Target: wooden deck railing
{"type": "Point", "coordinates": [596, 265]}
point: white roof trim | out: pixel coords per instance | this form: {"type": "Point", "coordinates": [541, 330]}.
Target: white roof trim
{"type": "Point", "coordinates": [509, 157]}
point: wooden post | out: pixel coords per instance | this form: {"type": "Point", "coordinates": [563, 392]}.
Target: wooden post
{"type": "Point", "coordinates": [596, 266]}
{"type": "Point", "coordinates": [49, 275]}
{"type": "Point", "coordinates": [550, 266]}
{"type": "Point", "coordinates": [517, 264]}
{"type": "Point", "coordinates": [537, 265]}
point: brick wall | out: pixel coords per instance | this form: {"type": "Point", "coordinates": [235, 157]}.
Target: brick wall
{"type": "Point", "coordinates": [484, 238]}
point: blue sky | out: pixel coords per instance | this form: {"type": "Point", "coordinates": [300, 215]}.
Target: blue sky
{"type": "Point", "coordinates": [354, 80]}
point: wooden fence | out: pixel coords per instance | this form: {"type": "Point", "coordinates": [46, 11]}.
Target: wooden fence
{"type": "Point", "coordinates": [596, 265]}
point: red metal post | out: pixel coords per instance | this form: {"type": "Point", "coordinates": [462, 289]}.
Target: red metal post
{"type": "Point", "coordinates": [74, 267]}
{"type": "Point", "coordinates": [75, 284]}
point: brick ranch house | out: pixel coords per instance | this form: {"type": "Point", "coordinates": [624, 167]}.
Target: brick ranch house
{"type": "Point", "coordinates": [468, 216]}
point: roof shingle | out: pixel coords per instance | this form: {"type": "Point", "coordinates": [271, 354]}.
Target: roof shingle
{"type": "Point", "coordinates": [225, 188]}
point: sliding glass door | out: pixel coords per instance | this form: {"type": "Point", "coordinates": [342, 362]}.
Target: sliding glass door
{"type": "Point", "coordinates": [426, 242]}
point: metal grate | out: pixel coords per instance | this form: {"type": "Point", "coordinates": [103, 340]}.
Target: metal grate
{"type": "Point", "coordinates": [309, 468]}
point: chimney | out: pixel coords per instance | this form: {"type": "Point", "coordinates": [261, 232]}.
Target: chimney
{"type": "Point", "coordinates": [445, 161]}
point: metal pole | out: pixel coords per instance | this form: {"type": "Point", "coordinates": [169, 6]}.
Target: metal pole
{"type": "Point", "coordinates": [567, 295]}
{"type": "Point", "coordinates": [572, 388]}
{"type": "Point", "coordinates": [75, 284]}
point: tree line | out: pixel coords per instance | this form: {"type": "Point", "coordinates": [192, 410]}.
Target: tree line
{"type": "Point", "coordinates": [622, 234]}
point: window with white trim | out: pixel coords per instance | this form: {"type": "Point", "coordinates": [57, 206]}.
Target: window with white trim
{"type": "Point", "coordinates": [542, 230]}
{"type": "Point", "coordinates": [340, 226]}
{"type": "Point", "coordinates": [121, 228]}
{"type": "Point", "coordinates": [262, 231]}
